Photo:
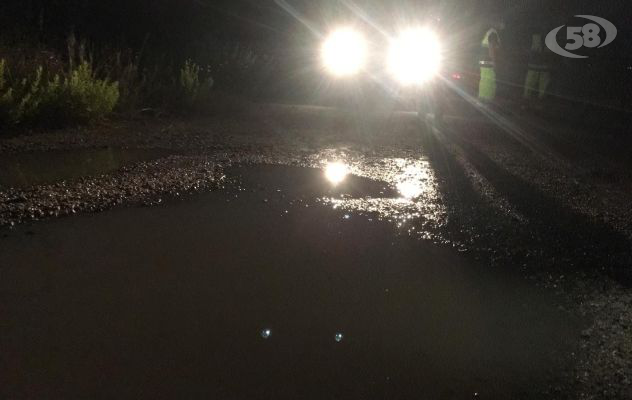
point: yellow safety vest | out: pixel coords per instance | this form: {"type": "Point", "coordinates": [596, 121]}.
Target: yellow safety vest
{"type": "Point", "coordinates": [539, 56]}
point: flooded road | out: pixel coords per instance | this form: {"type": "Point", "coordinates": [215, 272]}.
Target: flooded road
{"type": "Point", "coordinates": [36, 168]}
{"type": "Point", "coordinates": [285, 285]}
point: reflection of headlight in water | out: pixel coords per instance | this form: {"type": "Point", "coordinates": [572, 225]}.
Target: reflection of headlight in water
{"type": "Point", "coordinates": [409, 189]}
{"type": "Point", "coordinates": [336, 172]}
{"type": "Point", "coordinates": [414, 56]}
{"type": "Point", "coordinates": [344, 52]}
{"type": "Point", "coordinates": [413, 182]}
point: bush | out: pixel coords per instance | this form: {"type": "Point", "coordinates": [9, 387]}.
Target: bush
{"type": "Point", "coordinates": [55, 101]}
{"type": "Point", "coordinates": [6, 97]}
{"type": "Point", "coordinates": [20, 98]}
{"type": "Point", "coordinates": [86, 98]}
{"type": "Point", "coordinates": [194, 89]}
{"type": "Point", "coordinates": [160, 87]}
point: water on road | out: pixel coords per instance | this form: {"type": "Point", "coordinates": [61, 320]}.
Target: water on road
{"type": "Point", "coordinates": [36, 168]}
{"type": "Point", "coordinates": [277, 288]}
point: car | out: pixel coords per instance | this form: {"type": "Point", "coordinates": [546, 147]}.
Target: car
{"type": "Point", "coordinates": [411, 65]}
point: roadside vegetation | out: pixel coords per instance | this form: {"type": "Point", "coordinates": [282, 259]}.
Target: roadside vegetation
{"type": "Point", "coordinates": [42, 88]}
{"type": "Point", "coordinates": [44, 98]}
{"type": "Point", "coordinates": [79, 62]}
{"type": "Point", "coordinates": [82, 91]}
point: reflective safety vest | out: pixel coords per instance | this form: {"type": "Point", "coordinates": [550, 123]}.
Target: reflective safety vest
{"type": "Point", "coordinates": [538, 55]}
{"type": "Point", "coordinates": [485, 58]}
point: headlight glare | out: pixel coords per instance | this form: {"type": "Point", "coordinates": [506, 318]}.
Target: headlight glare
{"type": "Point", "coordinates": [344, 52]}
{"type": "Point", "coordinates": [414, 56]}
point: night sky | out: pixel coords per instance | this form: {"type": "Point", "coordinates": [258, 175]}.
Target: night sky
{"type": "Point", "coordinates": [177, 21]}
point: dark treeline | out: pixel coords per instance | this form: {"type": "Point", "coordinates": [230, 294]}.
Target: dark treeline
{"type": "Point", "coordinates": [170, 27]}
{"type": "Point", "coordinates": [179, 28]}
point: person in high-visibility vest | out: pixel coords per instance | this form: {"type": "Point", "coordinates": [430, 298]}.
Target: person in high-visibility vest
{"type": "Point", "coordinates": [539, 74]}
{"type": "Point", "coordinates": [490, 49]}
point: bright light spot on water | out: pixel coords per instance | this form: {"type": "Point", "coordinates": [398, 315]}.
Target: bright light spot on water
{"type": "Point", "coordinates": [336, 172]}
{"type": "Point", "coordinates": [339, 337]}
{"type": "Point", "coordinates": [266, 333]}
{"type": "Point", "coordinates": [417, 199]}
{"type": "Point", "coordinates": [413, 182]}
{"type": "Point", "coordinates": [410, 189]}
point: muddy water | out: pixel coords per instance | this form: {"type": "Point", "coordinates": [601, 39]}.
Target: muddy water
{"type": "Point", "coordinates": [34, 168]}
{"type": "Point", "coordinates": [262, 291]}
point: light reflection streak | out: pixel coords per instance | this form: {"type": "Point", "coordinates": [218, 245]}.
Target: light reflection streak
{"type": "Point", "coordinates": [419, 199]}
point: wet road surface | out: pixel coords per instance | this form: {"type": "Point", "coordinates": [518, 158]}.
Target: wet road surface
{"type": "Point", "coordinates": [36, 168]}
{"type": "Point", "coordinates": [276, 287]}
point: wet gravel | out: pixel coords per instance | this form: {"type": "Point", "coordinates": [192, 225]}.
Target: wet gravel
{"type": "Point", "coordinates": [502, 201]}
{"type": "Point", "coordinates": [144, 183]}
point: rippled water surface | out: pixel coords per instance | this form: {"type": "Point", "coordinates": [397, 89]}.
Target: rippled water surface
{"type": "Point", "coordinates": [283, 287]}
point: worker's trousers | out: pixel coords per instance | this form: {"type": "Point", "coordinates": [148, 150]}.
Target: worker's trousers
{"type": "Point", "coordinates": [487, 85]}
{"type": "Point", "coordinates": [537, 82]}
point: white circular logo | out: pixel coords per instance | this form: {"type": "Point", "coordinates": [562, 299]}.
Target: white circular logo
{"type": "Point", "coordinates": [587, 36]}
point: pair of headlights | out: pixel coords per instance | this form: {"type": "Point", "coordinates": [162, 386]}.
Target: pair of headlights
{"type": "Point", "coordinates": [414, 56]}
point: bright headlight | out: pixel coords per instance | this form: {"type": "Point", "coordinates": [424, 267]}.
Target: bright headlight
{"type": "Point", "coordinates": [344, 52]}
{"type": "Point", "coordinates": [414, 56]}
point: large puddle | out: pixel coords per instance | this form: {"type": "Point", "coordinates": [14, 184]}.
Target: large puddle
{"type": "Point", "coordinates": [262, 291]}
{"type": "Point", "coordinates": [36, 168]}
